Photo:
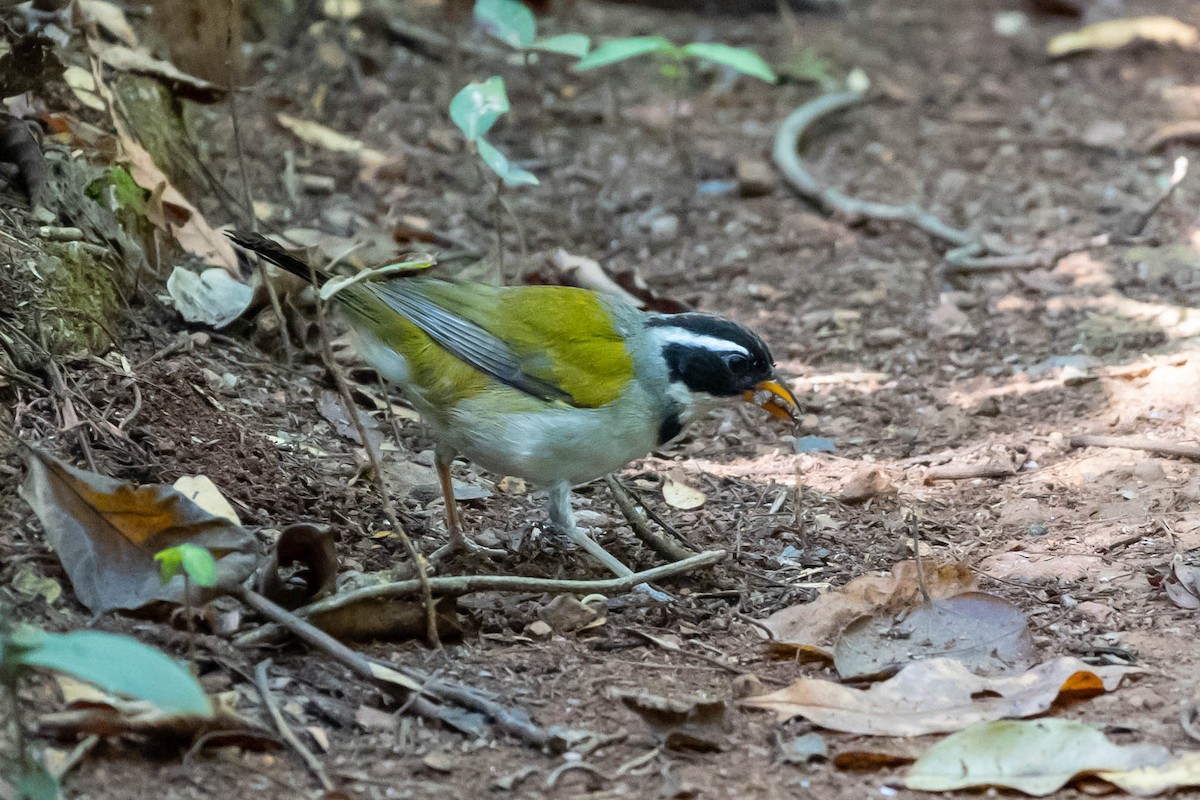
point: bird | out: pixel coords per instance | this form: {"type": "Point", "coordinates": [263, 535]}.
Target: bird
{"type": "Point", "coordinates": [556, 385]}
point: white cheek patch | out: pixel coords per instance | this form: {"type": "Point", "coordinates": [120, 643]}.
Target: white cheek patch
{"type": "Point", "coordinates": [671, 335]}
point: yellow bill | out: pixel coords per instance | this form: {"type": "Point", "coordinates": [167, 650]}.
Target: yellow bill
{"type": "Point", "coordinates": [776, 399]}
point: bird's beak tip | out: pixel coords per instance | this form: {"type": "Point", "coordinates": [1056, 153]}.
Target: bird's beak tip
{"type": "Point", "coordinates": [775, 398]}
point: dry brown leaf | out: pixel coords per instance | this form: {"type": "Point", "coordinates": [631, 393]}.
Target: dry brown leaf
{"type": "Point", "coordinates": [866, 483]}
{"type": "Point", "coordinates": [203, 492]}
{"type": "Point", "coordinates": [986, 633]}
{"type": "Point", "coordinates": [937, 696]}
{"type": "Point", "coordinates": [319, 135]}
{"type": "Point", "coordinates": [1116, 33]}
{"type": "Point", "coordinates": [692, 723]}
{"type": "Point", "coordinates": [309, 556]}
{"type": "Point", "coordinates": [390, 619]}
{"type": "Point", "coordinates": [106, 533]}
{"type": "Point", "coordinates": [1182, 585]}
{"type": "Point", "coordinates": [811, 629]}
{"type": "Point", "coordinates": [679, 495]}
{"type": "Point", "coordinates": [92, 711]}
{"type": "Point", "coordinates": [126, 59]}
{"type": "Point", "coordinates": [170, 210]}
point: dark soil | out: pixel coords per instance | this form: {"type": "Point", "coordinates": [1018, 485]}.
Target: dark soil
{"type": "Point", "coordinates": [899, 362]}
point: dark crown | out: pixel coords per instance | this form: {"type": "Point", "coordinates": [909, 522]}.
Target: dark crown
{"type": "Point", "coordinates": [711, 354]}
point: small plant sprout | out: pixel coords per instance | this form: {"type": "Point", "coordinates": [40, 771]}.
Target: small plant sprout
{"type": "Point", "coordinates": [514, 24]}
{"type": "Point", "coordinates": [475, 109]}
{"type": "Point", "coordinates": [741, 59]}
{"type": "Point", "coordinates": [677, 61]}
{"type": "Point", "coordinates": [117, 664]}
{"type": "Point", "coordinates": [197, 566]}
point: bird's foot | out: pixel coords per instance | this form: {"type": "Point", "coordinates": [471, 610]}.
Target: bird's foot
{"type": "Point", "coordinates": [462, 544]}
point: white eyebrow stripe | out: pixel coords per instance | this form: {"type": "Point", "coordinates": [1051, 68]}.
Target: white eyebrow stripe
{"type": "Point", "coordinates": [668, 334]}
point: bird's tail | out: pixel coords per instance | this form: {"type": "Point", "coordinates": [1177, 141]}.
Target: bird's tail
{"type": "Point", "coordinates": [272, 252]}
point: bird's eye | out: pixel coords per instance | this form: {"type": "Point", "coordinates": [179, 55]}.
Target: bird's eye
{"type": "Point", "coordinates": [737, 362]}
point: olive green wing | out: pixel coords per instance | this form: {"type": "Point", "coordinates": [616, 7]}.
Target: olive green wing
{"type": "Point", "coordinates": [552, 342]}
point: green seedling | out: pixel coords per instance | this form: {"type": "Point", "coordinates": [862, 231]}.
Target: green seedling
{"type": "Point", "coordinates": [511, 22]}
{"type": "Point", "coordinates": [676, 63]}
{"type": "Point", "coordinates": [117, 664]}
{"type": "Point", "coordinates": [197, 566]}
{"type": "Point", "coordinates": [475, 109]}
{"type": "Point", "coordinates": [741, 59]}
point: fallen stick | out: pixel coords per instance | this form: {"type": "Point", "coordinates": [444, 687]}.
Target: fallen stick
{"type": "Point", "coordinates": [457, 585]}
{"type": "Point", "coordinates": [1189, 451]}
{"type": "Point", "coordinates": [968, 252]}
{"type": "Point", "coordinates": [415, 691]}
{"type": "Point", "coordinates": [310, 760]}
{"type": "Point", "coordinates": [966, 472]}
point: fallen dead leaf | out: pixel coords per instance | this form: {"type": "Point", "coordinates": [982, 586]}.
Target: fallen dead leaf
{"type": "Point", "coordinates": [1182, 584]}
{"type": "Point", "coordinates": [693, 723]}
{"type": "Point", "coordinates": [213, 297]}
{"type": "Point", "coordinates": [110, 17]}
{"type": "Point", "coordinates": [301, 567]}
{"type": "Point", "coordinates": [986, 633]}
{"type": "Point", "coordinates": [1037, 758]}
{"type": "Point", "coordinates": [319, 135]}
{"type": "Point", "coordinates": [811, 629]}
{"type": "Point", "coordinates": [679, 495]}
{"type": "Point", "coordinates": [937, 696]}
{"type": "Point", "coordinates": [391, 620]}
{"type": "Point", "coordinates": [127, 59]}
{"type": "Point", "coordinates": [106, 533]}
{"type": "Point", "coordinates": [1116, 33]}
{"type": "Point", "coordinates": [203, 492]}
{"type": "Point", "coordinates": [866, 483]}
{"type": "Point", "coordinates": [1180, 772]}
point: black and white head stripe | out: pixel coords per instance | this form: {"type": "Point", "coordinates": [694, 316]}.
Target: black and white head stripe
{"type": "Point", "coordinates": [711, 354]}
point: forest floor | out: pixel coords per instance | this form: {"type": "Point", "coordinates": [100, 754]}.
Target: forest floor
{"type": "Point", "coordinates": [902, 364]}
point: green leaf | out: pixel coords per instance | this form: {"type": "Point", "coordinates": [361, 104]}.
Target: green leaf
{"type": "Point", "coordinates": [478, 105]}
{"type": "Point", "coordinates": [117, 664]}
{"type": "Point", "coordinates": [507, 20]}
{"type": "Point", "coordinates": [499, 164]}
{"type": "Point", "coordinates": [623, 49]}
{"type": "Point", "coordinates": [195, 561]}
{"type": "Point", "coordinates": [568, 44]}
{"type": "Point", "coordinates": [742, 59]}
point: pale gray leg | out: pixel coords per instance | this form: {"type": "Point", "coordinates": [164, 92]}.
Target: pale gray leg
{"type": "Point", "coordinates": [563, 518]}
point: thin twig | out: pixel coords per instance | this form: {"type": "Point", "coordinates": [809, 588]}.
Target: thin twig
{"type": "Point", "coordinates": [914, 528]}
{"type": "Point", "coordinates": [285, 732]}
{"type": "Point", "coordinates": [1178, 173]}
{"type": "Point", "coordinates": [457, 585]}
{"type": "Point", "coordinates": [406, 682]}
{"type": "Point", "coordinates": [1189, 451]}
{"type": "Point", "coordinates": [665, 546]}
{"type": "Point", "coordinates": [381, 487]}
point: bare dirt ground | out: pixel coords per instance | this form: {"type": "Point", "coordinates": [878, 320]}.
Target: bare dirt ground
{"type": "Point", "coordinates": [901, 365]}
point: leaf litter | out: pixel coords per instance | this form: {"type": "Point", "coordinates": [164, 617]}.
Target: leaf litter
{"type": "Point", "coordinates": [938, 696]}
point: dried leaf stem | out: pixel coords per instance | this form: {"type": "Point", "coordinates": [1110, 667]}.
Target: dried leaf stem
{"type": "Point", "coordinates": [1189, 451]}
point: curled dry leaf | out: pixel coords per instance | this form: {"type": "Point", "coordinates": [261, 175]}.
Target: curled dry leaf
{"type": "Point", "coordinates": [167, 208]}
{"type": "Point", "coordinates": [679, 495]}
{"type": "Point", "coordinates": [373, 161]}
{"type": "Point", "coordinates": [203, 492]}
{"type": "Point", "coordinates": [110, 17]}
{"type": "Point", "coordinates": [1037, 758]}
{"type": "Point", "coordinates": [810, 630]}
{"type": "Point", "coordinates": [92, 711]}
{"type": "Point", "coordinates": [1117, 33]}
{"type": "Point", "coordinates": [937, 696]}
{"type": "Point", "coordinates": [987, 634]}
{"type": "Point", "coordinates": [1182, 584]}
{"type": "Point", "coordinates": [126, 59]}
{"type": "Point", "coordinates": [301, 567]}
{"type": "Point", "coordinates": [693, 723]}
{"type": "Point", "coordinates": [627, 285]}
{"type": "Point", "coordinates": [213, 297]}
{"type": "Point", "coordinates": [106, 533]}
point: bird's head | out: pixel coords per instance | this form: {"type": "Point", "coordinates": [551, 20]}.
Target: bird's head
{"type": "Point", "coordinates": [716, 358]}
